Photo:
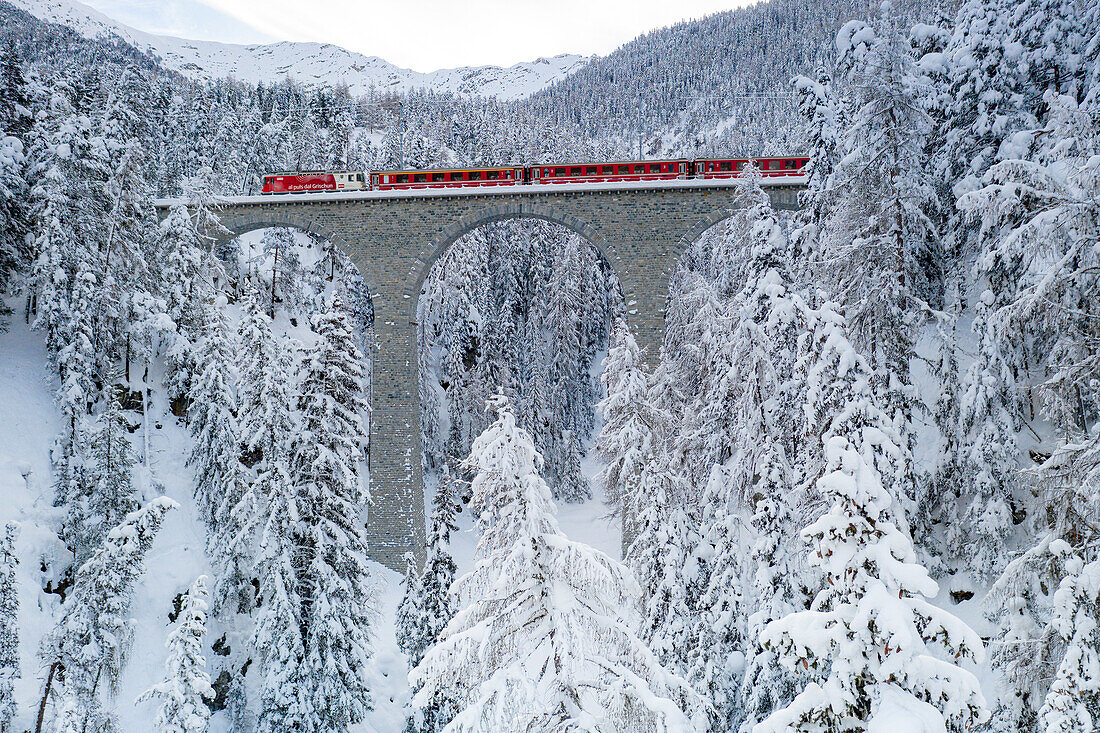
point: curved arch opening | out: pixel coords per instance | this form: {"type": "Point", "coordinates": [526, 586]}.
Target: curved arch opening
{"type": "Point", "coordinates": [525, 304]}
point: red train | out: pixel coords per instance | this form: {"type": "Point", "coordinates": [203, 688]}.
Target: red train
{"type": "Point", "coordinates": [633, 170]}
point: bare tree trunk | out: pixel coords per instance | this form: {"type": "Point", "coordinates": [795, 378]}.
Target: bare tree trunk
{"type": "Point", "coordinates": [45, 696]}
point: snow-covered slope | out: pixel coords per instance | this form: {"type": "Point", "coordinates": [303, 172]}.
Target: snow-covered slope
{"type": "Point", "coordinates": [309, 63]}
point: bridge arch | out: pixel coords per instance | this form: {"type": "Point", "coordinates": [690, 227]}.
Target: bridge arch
{"type": "Point", "coordinates": [462, 226]}
{"type": "Point", "coordinates": [238, 226]}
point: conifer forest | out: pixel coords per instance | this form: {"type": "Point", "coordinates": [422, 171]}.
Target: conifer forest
{"type": "Point", "coordinates": [856, 489]}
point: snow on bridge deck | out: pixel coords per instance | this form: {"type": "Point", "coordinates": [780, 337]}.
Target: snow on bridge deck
{"type": "Point", "coordinates": [524, 189]}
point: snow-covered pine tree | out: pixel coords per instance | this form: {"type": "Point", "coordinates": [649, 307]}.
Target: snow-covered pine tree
{"type": "Point", "coordinates": [630, 422]}
{"type": "Point", "coordinates": [664, 560]}
{"type": "Point", "coordinates": [553, 619]}
{"type": "Point", "coordinates": [750, 404]}
{"type": "Point", "coordinates": [104, 493]}
{"type": "Point", "coordinates": [86, 649]}
{"type": "Point", "coordinates": [187, 288]}
{"type": "Point", "coordinates": [408, 610]}
{"type": "Point", "coordinates": [277, 633]}
{"type": "Point", "coordinates": [286, 268]}
{"type": "Point", "coordinates": [1039, 228]}
{"type": "Point", "coordinates": [1072, 705]}
{"type": "Point", "coordinates": [186, 687]}
{"type": "Point", "coordinates": [337, 597]}
{"type": "Point", "coordinates": [436, 606]}
{"type": "Point", "coordinates": [880, 247]}
{"type": "Point", "coordinates": [985, 104]}
{"type": "Point", "coordinates": [869, 639]}
{"type": "Point", "coordinates": [989, 455]}
{"type": "Point", "coordinates": [131, 226]}
{"type": "Point", "coordinates": [9, 627]}
{"type": "Point", "coordinates": [825, 120]}
{"type": "Point", "coordinates": [15, 218]}
{"type": "Point", "coordinates": [212, 418]}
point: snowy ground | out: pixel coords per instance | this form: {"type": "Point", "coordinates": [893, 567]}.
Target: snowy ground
{"type": "Point", "coordinates": [28, 424]}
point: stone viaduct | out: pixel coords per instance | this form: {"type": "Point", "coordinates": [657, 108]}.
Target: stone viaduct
{"type": "Point", "coordinates": [394, 237]}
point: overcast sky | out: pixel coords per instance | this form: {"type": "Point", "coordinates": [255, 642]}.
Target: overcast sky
{"type": "Point", "coordinates": [420, 34]}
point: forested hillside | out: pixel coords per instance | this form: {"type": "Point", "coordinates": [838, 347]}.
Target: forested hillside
{"type": "Point", "coordinates": [858, 486]}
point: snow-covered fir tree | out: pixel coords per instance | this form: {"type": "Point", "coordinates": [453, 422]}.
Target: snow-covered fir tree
{"type": "Point", "coordinates": [337, 597]}
{"type": "Point", "coordinates": [104, 493]}
{"type": "Point", "coordinates": [869, 640]}
{"type": "Point", "coordinates": [185, 690]}
{"type": "Point", "coordinates": [667, 567]}
{"type": "Point", "coordinates": [556, 617]}
{"type": "Point", "coordinates": [212, 418]}
{"type": "Point", "coordinates": [9, 627]}
{"type": "Point", "coordinates": [86, 650]}
{"type": "Point", "coordinates": [277, 630]}
{"type": "Point", "coordinates": [630, 422]}
{"type": "Point", "coordinates": [750, 404]}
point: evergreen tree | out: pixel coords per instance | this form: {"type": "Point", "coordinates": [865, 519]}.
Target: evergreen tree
{"type": "Point", "coordinates": [105, 493]}
{"type": "Point", "coordinates": [337, 599]}
{"type": "Point", "coordinates": [286, 269]}
{"type": "Point", "coordinates": [85, 651]}
{"type": "Point", "coordinates": [212, 419]}
{"type": "Point", "coordinates": [630, 422]}
{"type": "Point", "coordinates": [9, 627]}
{"type": "Point", "coordinates": [435, 605]}
{"type": "Point", "coordinates": [186, 687]}
{"type": "Point", "coordinates": [552, 618]}
{"type": "Point", "coordinates": [277, 635]}
{"type": "Point", "coordinates": [869, 637]}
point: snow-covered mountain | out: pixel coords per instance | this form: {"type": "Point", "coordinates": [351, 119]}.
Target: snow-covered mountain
{"type": "Point", "coordinates": [309, 63]}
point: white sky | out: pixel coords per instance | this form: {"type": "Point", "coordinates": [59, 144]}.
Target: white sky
{"type": "Point", "coordinates": [420, 34]}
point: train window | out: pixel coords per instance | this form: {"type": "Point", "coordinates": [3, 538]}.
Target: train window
{"type": "Point", "coordinates": [561, 172]}
{"type": "Point", "coordinates": [420, 178]}
{"type": "Point", "coordinates": [437, 177]}
{"type": "Point", "coordinates": [624, 169]}
{"type": "Point", "coordinates": [492, 175]}
{"type": "Point", "coordinates": [475, 176]}
{"type": "Point", "coordinates": [739, 165]}
{"type": "Point", "coordinates": [639, 169]}
{"type": "Point", "coordinates": [590, 170]}
{"type": "Point", "coordinates": [575, 171]}
{"type": "Point", "coordinates": [608, 170]}
{"type": "Point", "coordinates": [402, 178]}
{"type": "Point", "coordinates": [725, 166]}
{"type": "Point", "coordinates": [789, 164]}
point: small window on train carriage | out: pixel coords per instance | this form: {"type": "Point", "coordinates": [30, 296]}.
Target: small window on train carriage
{"type": "Point", "coordinates": [739, 165]}
{"type": "Point", "coordinates": [576, 171]}
{"type": "Point", "coordinates": [402, 178]}
{"type": "Point", "coordinates": [475, 176]}
{"type": "Point", "coordinates": [725, 166]}
{"type": "Point", "coordinates": [561, 172]}
{"type": "Point", "coordinates": [420, 178]}
{"type": "Point", "coordinates": [493, 175]}
{"type": "Point", "coordinates": [437, 177]}
{"type": "Point", "coordinates": [639, 169]}
{"type": "Point", "coordinates": [607, 170]}
{"type": "Point", "coordinates": [590, 170]}
{"type": "Point", "coordinates": [624, 169]}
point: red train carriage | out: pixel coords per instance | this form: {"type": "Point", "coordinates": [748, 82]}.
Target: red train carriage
{"type": "Point", "coordinates": [732, 167]}
{"type": "Point", "coordinates": [307, 181]}
{"type": "Point", "coordinates": [456, 177]}
{"type": "Point", "coordinates": [634, 170]}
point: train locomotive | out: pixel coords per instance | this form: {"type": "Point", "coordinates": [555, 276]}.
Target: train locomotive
{"type": "Point", "coordinates": [610, 172]}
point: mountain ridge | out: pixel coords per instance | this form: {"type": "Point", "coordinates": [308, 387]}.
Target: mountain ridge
{"type": "Point", "coordinates": [310, 63]}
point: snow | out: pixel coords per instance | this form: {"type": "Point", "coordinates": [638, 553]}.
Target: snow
{"type": "Point", "coordinates": [314, 64]}
{"type": "Point", "coordinates": [898, 712]}
{"type": "Point", "coordinates": [793, 180]}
